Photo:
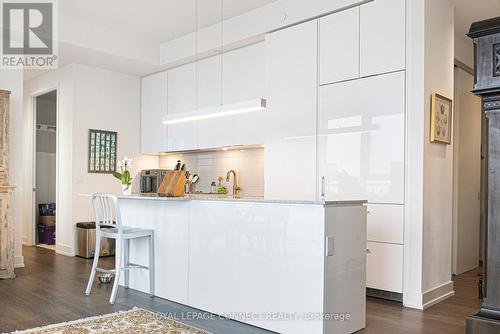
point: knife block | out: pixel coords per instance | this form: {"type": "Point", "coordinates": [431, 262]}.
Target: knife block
{"type": "Point", "coordinates": [173, 184]}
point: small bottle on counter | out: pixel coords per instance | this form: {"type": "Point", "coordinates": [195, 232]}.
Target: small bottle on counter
{"type": "Point", "coordinates": [213, 188]}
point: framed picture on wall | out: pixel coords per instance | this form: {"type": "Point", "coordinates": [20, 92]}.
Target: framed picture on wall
{"type": "Point", "coordinates": [102, 151]}
{"type": "Point", "coordinates": [441, 119]}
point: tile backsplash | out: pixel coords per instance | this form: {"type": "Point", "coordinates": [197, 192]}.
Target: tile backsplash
{"type": "Point", "coordinates": [248, 164]}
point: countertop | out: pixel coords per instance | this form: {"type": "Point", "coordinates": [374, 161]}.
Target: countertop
{"type": "Point", "coordinates": [226, 198]}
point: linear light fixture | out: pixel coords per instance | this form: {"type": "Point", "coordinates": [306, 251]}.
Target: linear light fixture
{"type": "Point", "coordinates": [213, 112]}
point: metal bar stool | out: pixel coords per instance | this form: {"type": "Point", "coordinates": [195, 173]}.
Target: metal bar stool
{"type": "Point", "coordinates": [106, 206]}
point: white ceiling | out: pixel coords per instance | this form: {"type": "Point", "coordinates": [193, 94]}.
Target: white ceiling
{"type": "Point", "coordinates": [157, 20]}
{"type": "Point", "coordinates": [469, 11]}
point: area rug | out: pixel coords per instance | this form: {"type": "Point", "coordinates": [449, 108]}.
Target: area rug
{"type": "Point", "coordinates": [135, 321]}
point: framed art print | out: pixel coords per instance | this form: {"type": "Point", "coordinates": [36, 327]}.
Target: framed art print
{"type": "Point", "coordinates": [441, 119]}
{"type": "Point", "coordinates": [102, 151]}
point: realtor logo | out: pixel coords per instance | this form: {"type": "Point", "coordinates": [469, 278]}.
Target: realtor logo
{"type": "Point", "coordinates": [28, 38]}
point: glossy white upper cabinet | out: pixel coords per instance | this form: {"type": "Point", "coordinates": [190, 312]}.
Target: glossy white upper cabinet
{"type": "Point", "coordinates": [339, 46]}
{"type": "Point", "coordinates": [382, 37]}
{"type": "Point", "coordinates": [182, 98]}
{"type": "Point", "coordinates": [361, 139]}
{"type": "Point", "coordinates": [292, 83]}
{"type": "Point", "coordinates": [153, 108]}
{"type": "Point", "coordinates": [209, 82]}
{"type": "Point", "coordinates": [243, 79]}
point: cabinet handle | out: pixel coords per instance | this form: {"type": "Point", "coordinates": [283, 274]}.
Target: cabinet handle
{"type": "Point", "coordinates": [329, 245]}
{"type": "Point", "coordinates": [368, 251]}
{"type": "Point", "coordinates": [322, 186]}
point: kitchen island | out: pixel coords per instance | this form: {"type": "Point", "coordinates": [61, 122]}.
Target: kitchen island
{"type": "Point", "coordinates": [286, 266]}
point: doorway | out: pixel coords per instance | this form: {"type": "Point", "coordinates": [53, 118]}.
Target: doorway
{"type": "Point", "coordinates": [45, 124]}
{"type": "Point", "coordinates": [467, 190]}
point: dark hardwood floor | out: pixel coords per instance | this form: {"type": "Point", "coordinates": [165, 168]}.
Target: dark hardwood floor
{"type": "Point", "coordinates": [50, 290]}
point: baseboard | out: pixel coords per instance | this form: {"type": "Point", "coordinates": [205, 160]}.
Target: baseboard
{"type": "Point", "coordinates": [438, 294]}
{"type": "Point", "coordinates": [421, 301]}
{"type": "Point", "coordinates": [64, 250]}
{"type": "Point", "coordinates": [413, 299]}
{"type": "Point", "coordinates": [26, 241]}
{"type": "Point", "coordinates": [19, 261]}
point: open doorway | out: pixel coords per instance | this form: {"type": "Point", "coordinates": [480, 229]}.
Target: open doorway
{"type": "Point", "coordinates": [467, 172]}
{"type": "Point", "coordinates": [45, 118]}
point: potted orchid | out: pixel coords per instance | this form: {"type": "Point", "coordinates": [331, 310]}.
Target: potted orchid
{"type": "Point", "coordinates": [123, 175]}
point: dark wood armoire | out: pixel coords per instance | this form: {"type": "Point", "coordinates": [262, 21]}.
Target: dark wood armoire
{"type": "Point", "coordinates": [486, 36]}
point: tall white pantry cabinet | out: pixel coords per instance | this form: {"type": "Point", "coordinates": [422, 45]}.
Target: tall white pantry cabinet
{"type": "Point", "coordinates": [336, 118]}
{"type": "Point", "coordinates": [335, 123]}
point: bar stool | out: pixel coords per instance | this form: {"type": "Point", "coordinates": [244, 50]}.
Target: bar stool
{"type": "Point", "coordinates": [106, 206]}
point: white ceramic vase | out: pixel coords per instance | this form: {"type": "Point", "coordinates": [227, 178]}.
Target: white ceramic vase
{"type": "Point", "coordinates": [127, 190]}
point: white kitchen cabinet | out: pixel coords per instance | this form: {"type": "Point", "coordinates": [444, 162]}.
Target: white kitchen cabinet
{"type": "Point", "coordinates": [292, 85]}
{"type": "Point", "coordinates": [243, 79]}
{"type": "Point", "coordinates": [361, 139]}
{"type": "Point", "coordinates": [385, 223]}
{"type": "Point", "coordinates": [182, 98]}
{"type": "Point", "coordinates": [209, 82]}
{"type": "Point", "coordinates": [384, 266]}
{"type": "Point", "coordinates": [382, 34]}
{"type": "Point", "coordinates": [153, 108]}
{"type": "Point", "coordinates": [339, 46]}
{"type": "Point", "coordinates": [252, 258]}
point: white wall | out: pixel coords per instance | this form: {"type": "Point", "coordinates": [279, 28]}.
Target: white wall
{"type": "Point", "coordinates": [415, 74]}
{"type": "Point", "coordinates": [87, 98]}
{"type": "Point", "coordinates": [429, 193]}
{"type": "Point", "coordinates": [438, 158]}
{"type": "Point", "coordinates": [464, 50]}
{"type": "Point", "coordinates": [12, 80]}
{"type": "Point", "coordinates": [104, 100]}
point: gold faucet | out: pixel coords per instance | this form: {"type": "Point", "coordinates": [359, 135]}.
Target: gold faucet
{"type": "Point", "coordinates": [235, 182]}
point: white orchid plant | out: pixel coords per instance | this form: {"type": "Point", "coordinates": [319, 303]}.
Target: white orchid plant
{"type": "Point", "coordinates": [123, 175]}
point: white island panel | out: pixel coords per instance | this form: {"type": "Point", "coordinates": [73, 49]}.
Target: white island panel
{"type": "Point", "coordinates": [258, 259]}
{"type": "Point", "coordinates": [285, 266]}
{"type": "Point", "coordinates": [170, 222]}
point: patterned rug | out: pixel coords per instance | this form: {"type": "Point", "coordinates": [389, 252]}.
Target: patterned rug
{"type": "Point", "coordinates": [135, 321]}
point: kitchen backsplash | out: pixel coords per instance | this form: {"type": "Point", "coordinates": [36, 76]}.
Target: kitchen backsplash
{"type": "Point", "coordinates": [248, 164]}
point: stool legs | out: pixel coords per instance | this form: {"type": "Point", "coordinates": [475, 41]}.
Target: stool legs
{"type": "Point", "coordinates": [118, 268]}
{"type": "Point", "coordinates": [126, 259]}
{"type": "Point", "coordinates": [94, 265]}
{"type": "Point", "coordinates": [152, 265]}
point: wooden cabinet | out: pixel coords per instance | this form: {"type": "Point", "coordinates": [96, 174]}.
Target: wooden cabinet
{"type": "Point", "coordinates": [153, 107]}
{"type": "Point", "coordinates": [382, 37]}
{"type": "Point", "coordinates": [182, 98]}
{"type": "Point", "coordinates": [361, 139]}
{"type": "Point", "coordinates": [292, 85]}
{"type": "Point", "coordinates": [339, 46]}
{"type": "Point", "coordinates": [6, 222]}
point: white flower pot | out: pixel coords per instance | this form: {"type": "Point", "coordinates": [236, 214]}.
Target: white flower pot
{"type": "Point", "coordinates": [127, 190]}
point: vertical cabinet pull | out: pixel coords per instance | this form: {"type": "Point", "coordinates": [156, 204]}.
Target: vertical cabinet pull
{"type": "Point", "coordinates": [329, 245]}
{"type": "Point", "coordinates": [322, 186]}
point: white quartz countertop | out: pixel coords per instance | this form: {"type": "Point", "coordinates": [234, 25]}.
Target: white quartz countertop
{"type": "Point", "coordinates": [226, 198]}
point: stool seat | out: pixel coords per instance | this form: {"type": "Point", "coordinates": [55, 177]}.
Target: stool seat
{"type": "Point", "coordinates": [128, 232]}
{"type": "Point", "coordinates": [107, 211]}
